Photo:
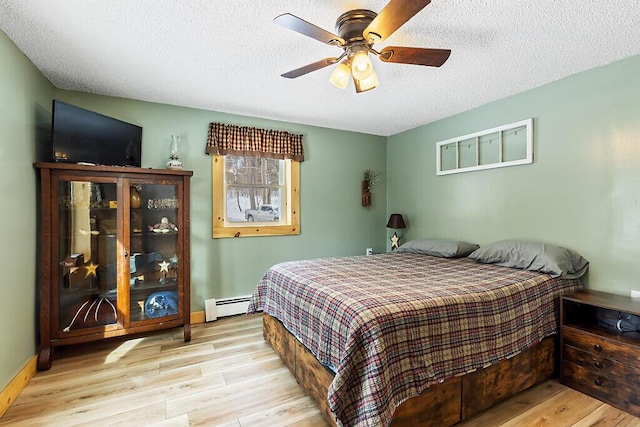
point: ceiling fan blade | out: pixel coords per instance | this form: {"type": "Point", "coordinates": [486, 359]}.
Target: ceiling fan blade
{"type": "Point", "coordinates": [415, 55]}
{"type": "Point", "coordinates": [392, 17]}
{"type": "Point", "coordinates": [301, 26]}
{"type": "Point", "coordinates": [309, 68]}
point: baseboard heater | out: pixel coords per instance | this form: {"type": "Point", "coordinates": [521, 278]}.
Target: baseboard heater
{"type": "Point", "coordinates": [223, 307]}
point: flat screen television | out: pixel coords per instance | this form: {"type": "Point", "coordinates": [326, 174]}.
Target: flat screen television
{"type": "Point", "coordinates": [83, 136]}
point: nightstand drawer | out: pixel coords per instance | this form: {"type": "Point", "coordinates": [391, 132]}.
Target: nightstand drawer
{"type": "Point", "coordinates": [601, 365]}
{"type": "Point", "coordinates": [596, 344]}
{"type": "Point", "coordinates": [602, 387]}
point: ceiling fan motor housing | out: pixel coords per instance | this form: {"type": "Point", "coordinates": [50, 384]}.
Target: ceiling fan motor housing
{"type": "Point", "coordinates": [351, 25]}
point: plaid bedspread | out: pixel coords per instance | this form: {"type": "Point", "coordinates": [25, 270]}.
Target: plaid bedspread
{"type": "Point", "coordinates": [390, 325]}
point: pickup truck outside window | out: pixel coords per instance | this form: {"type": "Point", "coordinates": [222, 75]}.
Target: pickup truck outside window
{"type": "Point", "coordinates": [255, 196]}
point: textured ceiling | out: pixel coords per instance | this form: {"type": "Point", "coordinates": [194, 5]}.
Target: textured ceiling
{"type": "Point", "coordinates": [228, 55]}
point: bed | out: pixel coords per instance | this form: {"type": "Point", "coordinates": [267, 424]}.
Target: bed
{"type": "Point", "coordinates": [380, 339]}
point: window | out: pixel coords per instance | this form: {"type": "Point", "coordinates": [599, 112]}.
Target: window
{"type": "Point", "coordinates": [256, 181]}
{"type": "Point", "coordinates": [255, 196]}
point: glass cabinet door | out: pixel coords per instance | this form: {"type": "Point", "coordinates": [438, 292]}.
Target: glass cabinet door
{"type": "Point", "coordinates": [87, 261]}
{"type": "Point", "coordinates": [153, 260]}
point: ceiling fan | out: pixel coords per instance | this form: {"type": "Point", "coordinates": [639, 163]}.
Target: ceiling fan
{"type": "Point", "coordinates": [358, 30]}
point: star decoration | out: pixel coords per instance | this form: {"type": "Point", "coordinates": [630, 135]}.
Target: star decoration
{"type": "Point", "coordinates": [394, 241]}
{"type": "Point", "coordinates": [91, 269]}
{"type": "Point", "coordinates": [164, 266]}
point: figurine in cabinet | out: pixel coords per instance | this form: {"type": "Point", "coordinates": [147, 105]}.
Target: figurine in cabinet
{"type": "Point", "coordinates": [164, 226]}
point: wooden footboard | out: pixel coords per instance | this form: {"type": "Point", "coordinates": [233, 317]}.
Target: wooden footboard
{"type": "Point", "coordinates": [442, 404]}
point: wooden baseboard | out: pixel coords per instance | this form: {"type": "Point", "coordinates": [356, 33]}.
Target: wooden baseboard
{"type": "Point", "coordinates": [17, 384]}
{"type": "Point", "coordinates": [197, 317]}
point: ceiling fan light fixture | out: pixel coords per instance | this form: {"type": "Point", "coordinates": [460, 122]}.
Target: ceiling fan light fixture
{"type": "Point", "coordinates": [361, 66]}
{"type": "Point", "coordinates": [357, 32]}
{"type": "Point", "coordinates": [341, 75]}
{"type": "Point", "coordinates": [366, 84]}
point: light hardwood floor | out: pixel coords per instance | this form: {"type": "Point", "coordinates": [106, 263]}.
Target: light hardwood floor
{"type": "Point", "coordinates": [228, 376]}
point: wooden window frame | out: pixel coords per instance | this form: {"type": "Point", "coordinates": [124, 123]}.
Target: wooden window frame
{"type": "Point", "coordinates": [224, 229]}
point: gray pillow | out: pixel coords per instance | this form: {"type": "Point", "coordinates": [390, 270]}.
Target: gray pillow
{"type": "Point", "coordinates": [439, 248]}
{"type": "Point", "coordinates": [533, 256]}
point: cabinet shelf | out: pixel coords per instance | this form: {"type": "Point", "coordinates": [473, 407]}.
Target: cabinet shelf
{"type": "Point", "coordinates": [85, 237]}
{"type": "Point", "coordinates": [138, 316]}
{"type": "Point", "coordinates": [155, 285]}
{"type": "Point", "coordinates": [64, 208]}
{"type": "Point", "coordinates": [83, 292]}
{"type": "Point", "coordinates": [151, 233]}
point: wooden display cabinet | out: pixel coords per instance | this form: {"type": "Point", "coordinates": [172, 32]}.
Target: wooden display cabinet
{"type": "Point", "coordinates": [114, 253]}
{"type": "Point", "coordinates": [600, 357]}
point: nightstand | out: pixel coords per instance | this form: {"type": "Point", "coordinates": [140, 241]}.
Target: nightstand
{"type": "Point", "coordinates": [595, 359]}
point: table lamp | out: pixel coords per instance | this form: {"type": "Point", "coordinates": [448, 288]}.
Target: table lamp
{"type": "Point", "coordinates": [396, 222]}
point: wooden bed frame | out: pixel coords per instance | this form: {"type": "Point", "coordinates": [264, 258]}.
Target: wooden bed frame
{"type": "Point", "coordinates": [442, 404]}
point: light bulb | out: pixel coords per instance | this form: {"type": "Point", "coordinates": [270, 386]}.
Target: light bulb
{"type": "Point", "coordinates": [366, 84]}
{"type": "Point", "coordinates": [361, 66]}
{"type": "Point", "coordinates": [340, 76]}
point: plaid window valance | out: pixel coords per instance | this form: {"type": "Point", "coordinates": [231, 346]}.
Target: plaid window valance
{"type": "Point", "coordinates": [253, 142]}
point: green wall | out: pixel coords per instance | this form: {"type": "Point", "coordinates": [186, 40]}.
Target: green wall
{"type": "Point", "coordinates": [25, 99]}
{"type": "Point", "coordinates": [582, 191]}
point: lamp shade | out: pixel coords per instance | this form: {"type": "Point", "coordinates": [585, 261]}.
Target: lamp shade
{"type": "Point", "coordinates": [361, 66]}
{"type": "Point", "coordinates": [396, 221]}
{"type": "Point", "coordinates": [366, 84]}
{"type": "Point", "coordinates": [341, 75]}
